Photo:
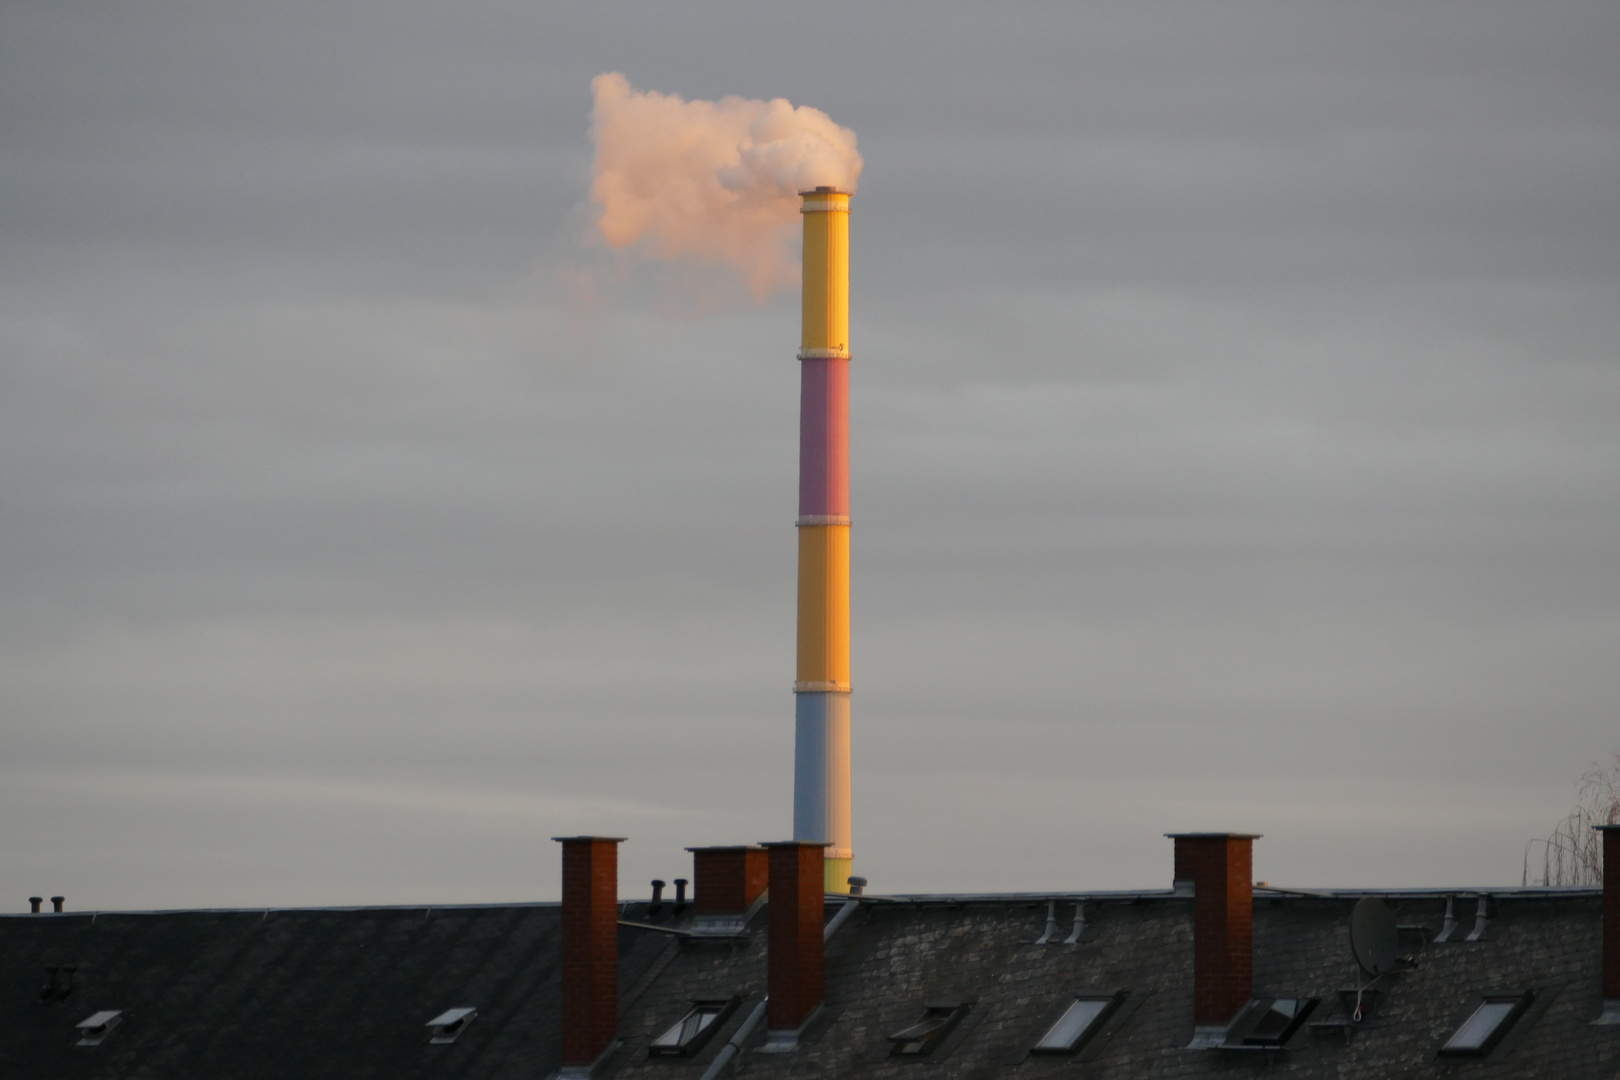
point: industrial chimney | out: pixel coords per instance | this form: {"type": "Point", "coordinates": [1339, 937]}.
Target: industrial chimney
{"type": "Point", "coordinates": [821, 740]}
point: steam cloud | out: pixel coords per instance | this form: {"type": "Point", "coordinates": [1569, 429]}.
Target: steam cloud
{"type": "Point", "coordinates": [715, 182]}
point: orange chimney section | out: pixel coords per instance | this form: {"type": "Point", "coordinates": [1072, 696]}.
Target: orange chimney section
{"type": "Point", "coordinates": [795, 961]}
{"type": "Point", "coordinates": [728, 879]}
{"type": "Point", "coordinates": [590, 949]}
{"type": "Point", "coordinates": [1611, 923]}
{"type": "Point", "coordinates": [1219, 869]}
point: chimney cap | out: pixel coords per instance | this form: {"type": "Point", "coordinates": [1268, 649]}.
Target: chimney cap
{"type": "Point", "coordinates": [728, 847]}
{"type": "Point", "coordinates": [1606, 828]}
{"type": "Point", "coordinates": [1214, 835]}
{"type": "Point", "coordinates": [795, 843]}
{"type": "Point", "coordinates": [605, 839]}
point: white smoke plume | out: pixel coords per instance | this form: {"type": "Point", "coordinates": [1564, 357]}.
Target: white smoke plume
{"type": "Point", "coordinates": [714, 182]}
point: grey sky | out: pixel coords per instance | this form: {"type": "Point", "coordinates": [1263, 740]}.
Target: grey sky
{"type": "Point", "coordinates": [1235, 446]}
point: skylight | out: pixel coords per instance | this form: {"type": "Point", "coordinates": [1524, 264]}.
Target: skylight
{"type": "Point", "coordinates": [97, 1026]}
{"type": "Point", "coordinates": [1486, 1026]}
{"type": "Point", "coordinates": [1082, 1019]}
{"type": "Point", "coordinates": [690, 1032]}
{"type": "Point", "coordinates": [448, 1025]}
{"type": "Point", "coordinates": [926, 1034]}
{"type": "Point", "coordinates": [1278, 1019]}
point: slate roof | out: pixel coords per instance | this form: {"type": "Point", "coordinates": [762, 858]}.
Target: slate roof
{"type": "Point", "coordinates": [892, 958]}
{"type": "Point", "coordinates": [347, 992]}
{"type": "Point", "coordinates": [308, 994]}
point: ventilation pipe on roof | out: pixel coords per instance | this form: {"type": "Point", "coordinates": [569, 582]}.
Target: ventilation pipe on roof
{"type": "Point", "coordinates": [1079, 923]}
{"type": "Point", "coordinates": [34, 902]}
{"type": "Point", "coordinates": [680, 895]}
{"type": "Point", "coordinates": [57, 902]}
{"type": "Point", "coordinates": [1611, 924]}
{"type": "Point", "coordinates": [1448, 925]}
{"type": "Point", "coordinates": [794, 964]}
{"type": "Point", "coordinates": [590, 952]}
{"type": "Point", "coordinates": [1219, 869]}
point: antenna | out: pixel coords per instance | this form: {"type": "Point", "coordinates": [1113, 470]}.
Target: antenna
{"type": "Point", "coordinates": [1374, 937]}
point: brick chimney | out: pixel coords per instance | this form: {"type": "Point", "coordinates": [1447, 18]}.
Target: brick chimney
{"type": "Point", "coordinates": [1611, 924]}
{"type": "Point", "coordinates": [797, 915]}
{"type": "Point", "coordinates": [590, 951]}
{"type": "Point", "coordinates": [728, 881]}
{"type": "Point", "coordinates": [1218, 868]}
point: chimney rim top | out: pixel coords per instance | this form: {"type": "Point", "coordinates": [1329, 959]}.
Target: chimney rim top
{"type": "Point", "coordinates": [729, 847]}
{"type": "Point", "coordinates": [579, 839]}
{"type": "Point", "coordinates": [795, 843]}
{"type": "Point", "coordinates": [1214, 835]}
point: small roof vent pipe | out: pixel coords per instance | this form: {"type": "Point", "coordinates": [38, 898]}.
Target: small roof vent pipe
{"type": "Point", "coordinates": [657, 904]}
{"type": "Point", "coordinates": [680, 895]}
{"type": "Point", "coordinates": [857, 885]}
{"type": "Point", "coordinates": [34, 902]}
{"type": "Point", "coordinates": [57, 902]}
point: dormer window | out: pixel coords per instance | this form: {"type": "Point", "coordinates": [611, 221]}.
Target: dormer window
{"type": "Point", "coordinates": [1487, 1024]}
{"type": "Point", "coordinates": [688, 1034]}
{"type": "Point", "coordinates": [926, 1034]}
{"type": "Point", "coordinates": [448, 1025]}
{"type": "Point", "coordinates": [97, 1026]}
{"type": "Point", "coordinates": [1083, 1017]}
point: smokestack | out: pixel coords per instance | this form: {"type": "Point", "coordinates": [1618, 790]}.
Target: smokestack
{"type": "Point", "coordinates": [1218, 867]}
{"type": "Point", "coordinates": [821, 812]}
{"type": "Point", "coordinates": [590, 951]}
{"type": "Point", "coordinates": [1611, 924]}
{"type": "Point", "coordinates": [795, 959]}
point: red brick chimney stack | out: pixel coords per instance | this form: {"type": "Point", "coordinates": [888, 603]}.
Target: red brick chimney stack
{"type": "Point", "coordinates": [728, 879]}
{"type": "Point", "coordinates": [1219, 867]}
{"type": "Point", "coordinates": [1611, 923]}
{"type": "Point", "coordinates": [797, 910]}
{"type": "Point", "coordinates": [590, 949]}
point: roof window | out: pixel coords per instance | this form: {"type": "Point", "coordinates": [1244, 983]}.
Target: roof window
{"type": "Point", "coordinates": [926, 1034]}
{"type": "Point", "coordinates": [1268, 1023]}
{"type": "Point", "coordinates": [1487, 1024]}
{"type": "Point", "coordinates": [448, 1025]}
{"type": "Point", "coordinates": [1083, 1017]}
{"type": "Point", "coordinates": [688, 1034]}
{"type": "Point", "coordinates": [97, 1026]}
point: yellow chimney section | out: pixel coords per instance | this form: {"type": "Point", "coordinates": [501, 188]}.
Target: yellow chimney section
{"type": "Point", "coordinates": [825, 324]}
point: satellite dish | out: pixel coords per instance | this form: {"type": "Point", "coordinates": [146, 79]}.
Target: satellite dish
{"type": "Point", "coordinates": [1373, 936]}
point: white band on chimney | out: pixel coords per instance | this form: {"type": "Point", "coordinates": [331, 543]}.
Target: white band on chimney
{"type": "Point", "coordinates": [821, 688]}
{"type": "Point", "coordinates": [822, 519]}
{"type": "Point", "coordinates": [824, 206]}
{"type": "Point", "coordinates": [840, 353]}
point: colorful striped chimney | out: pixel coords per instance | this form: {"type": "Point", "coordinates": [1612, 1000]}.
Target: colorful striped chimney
{"type": "Point", "coordinates": [821, 745]}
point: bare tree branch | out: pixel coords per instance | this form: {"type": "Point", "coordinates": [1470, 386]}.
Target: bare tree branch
{"type": "Point", "coordinates": [1573, 854]}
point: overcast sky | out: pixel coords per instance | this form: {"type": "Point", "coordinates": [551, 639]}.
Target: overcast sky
{"type": "Point", "coordinates": [1236, 445]}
